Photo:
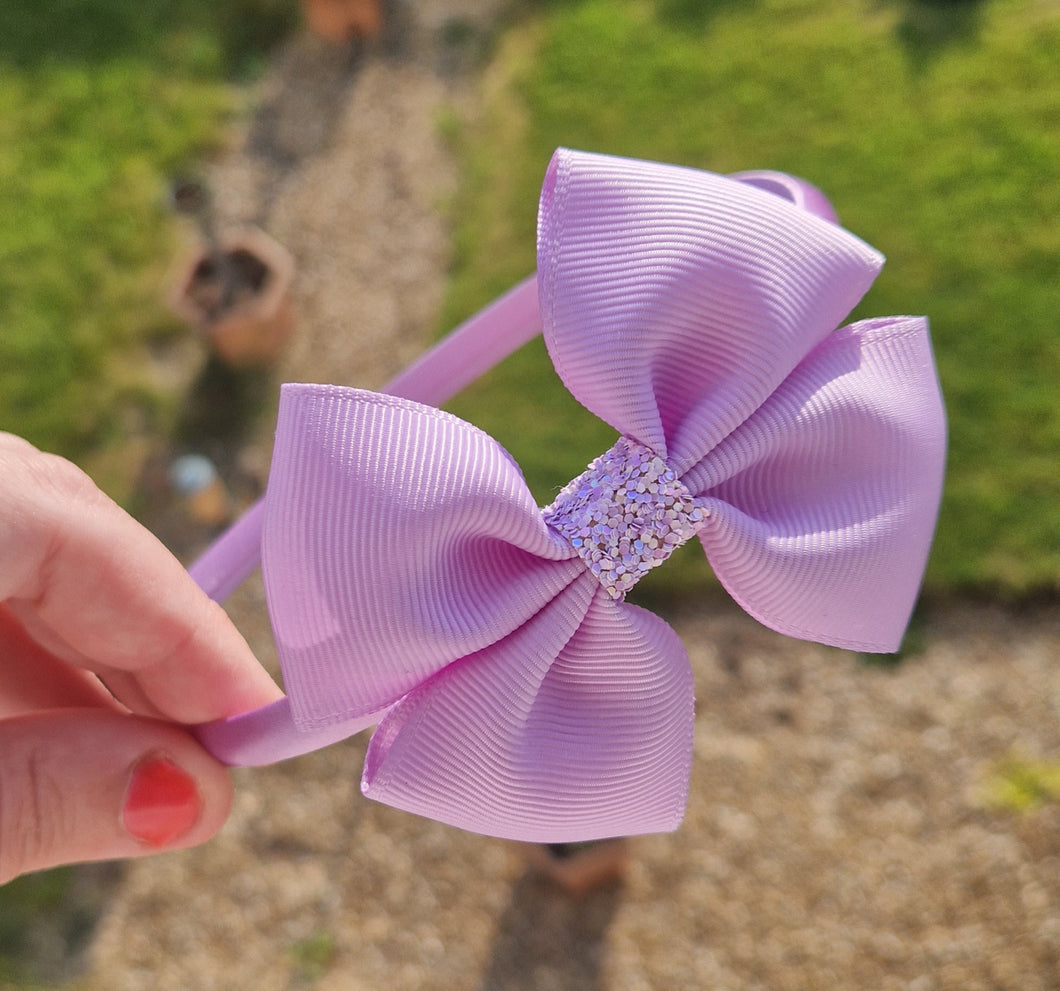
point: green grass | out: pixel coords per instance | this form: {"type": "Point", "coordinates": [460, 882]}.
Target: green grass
{"type": "Point", "coordinates": [934, 129]}
{"type": "Point", "coordinates": [1017, 784]}
{"type": "Point", "coordinates": [46, 921]}
{"type": "Point", "coordinates": [101, 103]}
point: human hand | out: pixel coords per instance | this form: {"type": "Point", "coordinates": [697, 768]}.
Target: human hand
{"type": "Point", "coordinates": [106, 648]}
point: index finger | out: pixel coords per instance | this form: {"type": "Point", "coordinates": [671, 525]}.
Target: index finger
{"type": "Point", "coordinates": [106, 594]}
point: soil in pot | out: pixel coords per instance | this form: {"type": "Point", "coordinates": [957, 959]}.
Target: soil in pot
{"type": "Point", "coordinates": [215, 291]}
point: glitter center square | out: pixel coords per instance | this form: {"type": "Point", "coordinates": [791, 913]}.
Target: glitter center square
{"type": "Point", "coordinates": [625, 514]}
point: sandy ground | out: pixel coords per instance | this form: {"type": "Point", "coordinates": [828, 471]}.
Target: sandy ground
{"type": "Point", "coordinates": [837, 835]}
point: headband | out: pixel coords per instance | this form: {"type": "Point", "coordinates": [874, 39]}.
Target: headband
{"type": "Point", "coordinates": [414, 585]}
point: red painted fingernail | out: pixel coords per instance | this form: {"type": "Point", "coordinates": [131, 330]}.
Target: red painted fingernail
{"type": "Point", "coordinates": [161, 804]}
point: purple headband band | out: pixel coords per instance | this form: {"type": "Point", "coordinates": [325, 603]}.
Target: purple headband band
{"type": "Point", "coordinates": [414, 585]}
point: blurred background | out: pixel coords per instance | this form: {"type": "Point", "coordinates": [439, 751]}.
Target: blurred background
{"type": "Point", "coordinates": [932, 125]}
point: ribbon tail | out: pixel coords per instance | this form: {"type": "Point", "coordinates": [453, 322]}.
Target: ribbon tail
{"type": "Point", "coordinates": [576, 727]}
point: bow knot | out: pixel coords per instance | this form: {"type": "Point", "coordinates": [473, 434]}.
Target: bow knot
{"type": "Point", "coordinates": [625, 514]}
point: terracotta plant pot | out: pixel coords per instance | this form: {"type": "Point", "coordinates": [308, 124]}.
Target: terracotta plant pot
{"type": "Point", "coordinates": [244, 312]}
{"type": "Point", "coordinates": [579, 868]}
{"type": "Point", "coordinates": [341, 21]}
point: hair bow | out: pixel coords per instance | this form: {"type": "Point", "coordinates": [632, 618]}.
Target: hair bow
{"type": "Point", "coordinates": [412, 581]}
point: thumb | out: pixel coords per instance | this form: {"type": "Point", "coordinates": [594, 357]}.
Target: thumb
{"type": "Point", "coordinates": [88, 784]}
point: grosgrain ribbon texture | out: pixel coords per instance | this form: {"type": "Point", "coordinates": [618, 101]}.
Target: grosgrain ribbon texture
{"type": "Point", "coordinates": [413, 581]}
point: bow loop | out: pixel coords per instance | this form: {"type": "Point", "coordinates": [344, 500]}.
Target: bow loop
{"type": "Point", "coordinates": [577, 726]}
{"type": "Point", "coordinates": [397, 538]}
{"type": "Point", "coordinates": [822, 504]}
{"type": "Point", "coordinates": [675, 301]}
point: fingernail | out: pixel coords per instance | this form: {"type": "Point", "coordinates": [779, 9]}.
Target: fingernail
{"type": "Point", "coordinates": [161, 804]}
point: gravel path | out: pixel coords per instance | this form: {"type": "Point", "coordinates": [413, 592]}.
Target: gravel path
{"type": "Point", "coordinates": [837, 835]}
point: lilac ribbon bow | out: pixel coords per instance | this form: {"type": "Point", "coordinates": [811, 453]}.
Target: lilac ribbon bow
{"type": "Point", "coordinates": [413, 582]}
